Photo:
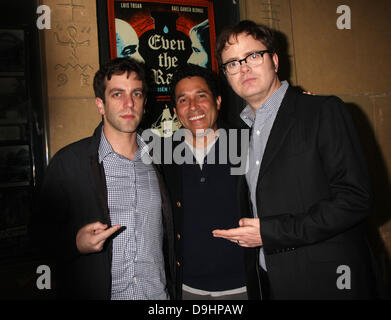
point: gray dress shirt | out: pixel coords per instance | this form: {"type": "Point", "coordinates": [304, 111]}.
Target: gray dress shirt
{"type": "Point", "coordinates": [261, 124]}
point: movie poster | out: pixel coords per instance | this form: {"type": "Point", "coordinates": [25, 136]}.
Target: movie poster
{"type": "Point", "coordinates": [164, 35]}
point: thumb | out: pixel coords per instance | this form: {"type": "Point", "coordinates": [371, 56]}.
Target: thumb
{"type": "Point", "coordinates": [247, 222]}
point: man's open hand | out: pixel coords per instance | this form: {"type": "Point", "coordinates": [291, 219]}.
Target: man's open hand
{"type": "Point", "coordinates": [248, 234]}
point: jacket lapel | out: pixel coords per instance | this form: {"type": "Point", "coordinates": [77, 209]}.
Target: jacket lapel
{"type": "Point", "coordinates": [281, 127]}
{"type": "Point", "coordinates": [97, 172]}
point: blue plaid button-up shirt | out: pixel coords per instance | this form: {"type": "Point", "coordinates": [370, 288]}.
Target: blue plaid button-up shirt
{"type": "Point", "coordinates": [134, 202]}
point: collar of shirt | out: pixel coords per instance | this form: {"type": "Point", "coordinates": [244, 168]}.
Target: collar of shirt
{"type": "Point", "coordinates": [200, 154]}
{"type": "Point", "coordinates": [270, 106]}
{"type": "Point", "coordinates": [105, 149]}
{"type": "Point", "coordinates": [211, 140]}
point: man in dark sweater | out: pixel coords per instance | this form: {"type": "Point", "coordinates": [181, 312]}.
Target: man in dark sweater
{"type": "Point", "coordinates": [204, 195]}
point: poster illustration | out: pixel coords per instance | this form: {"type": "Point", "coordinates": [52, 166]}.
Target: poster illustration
{"type": "Point", "coordinates": [164, 35]}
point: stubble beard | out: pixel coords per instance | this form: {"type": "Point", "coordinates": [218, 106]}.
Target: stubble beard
{"type": "Point", "coordinates": [122, 125]}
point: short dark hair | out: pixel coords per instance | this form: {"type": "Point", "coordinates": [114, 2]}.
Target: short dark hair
{"type": "Point", "coordinates": [191, 70]}
{"type": "Point", "coordinates": [118, 66]}
{"type": "Point", "coordinates": [257, 31]}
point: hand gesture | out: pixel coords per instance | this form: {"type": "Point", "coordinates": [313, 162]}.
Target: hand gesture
{"type": "Point", "coordinates": [248, 234]}
{"type": "Point", "coordinates": [92, 236]}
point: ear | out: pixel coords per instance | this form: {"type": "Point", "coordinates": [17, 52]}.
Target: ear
{"type": "Point", "coordinates": [100, 105]}
{"type": "Point", "coordinates": [218, 102]}
{"type": "Point", "coordinates": [275, 62]}
{"type": "Point", "coordinates": [175, 112]}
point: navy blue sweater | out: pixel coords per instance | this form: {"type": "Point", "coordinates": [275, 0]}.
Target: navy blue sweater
{"type": "Point", "coordinates": [210, 202]}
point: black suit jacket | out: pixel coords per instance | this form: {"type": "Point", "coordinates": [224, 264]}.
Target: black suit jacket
{"type": "Point", "coordinates": [313, 195]}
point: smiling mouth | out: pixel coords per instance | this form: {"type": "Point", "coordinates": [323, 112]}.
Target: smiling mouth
{"type": "Point", "coordinates": [197, 117]}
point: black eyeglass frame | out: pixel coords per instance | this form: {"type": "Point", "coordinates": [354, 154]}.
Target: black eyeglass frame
{"type": "Point", "coordinates": [261, 52]}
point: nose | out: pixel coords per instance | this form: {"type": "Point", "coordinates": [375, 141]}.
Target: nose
{"type": "Point", "coordinates": [192, 104]}
{"type": "Point", "coordinates": [129, 103]}
{"type": "Point", "coordinates": [244, 66]}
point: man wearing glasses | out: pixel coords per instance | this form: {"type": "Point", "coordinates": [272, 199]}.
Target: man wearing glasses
{"type": "Point", "coordinates": [307, 181]}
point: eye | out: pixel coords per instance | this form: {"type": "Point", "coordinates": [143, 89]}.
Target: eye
{"type": "Point", "coordinates": [129, 50]}
{"type": "Point", "coordinates": [116, 94]}
{"type": "Point", "coordinates": [232, 64]}
{"type": "Point", "coordinates": [182, 100]}
{"type": "Point", "coordinates": [138, 94]}
{"type": "Point", "coordinates": [254, 56]}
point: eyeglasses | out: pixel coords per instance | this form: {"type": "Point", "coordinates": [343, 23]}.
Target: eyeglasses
{"type": "Point", "coordinates": [252, 60]}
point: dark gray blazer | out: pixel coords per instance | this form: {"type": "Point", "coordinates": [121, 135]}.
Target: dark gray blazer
{"type": "Point", "coordinates": [313, 195]}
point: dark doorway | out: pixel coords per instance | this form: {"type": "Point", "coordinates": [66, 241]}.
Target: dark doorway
{"type": "Point", "coordinates": [22, 144]}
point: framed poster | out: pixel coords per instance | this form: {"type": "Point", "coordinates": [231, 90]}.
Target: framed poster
{"type": "Point", "coordinates": [164, 35]}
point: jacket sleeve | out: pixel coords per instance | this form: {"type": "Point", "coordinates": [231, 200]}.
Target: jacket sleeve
{"type": "Point", "coordinates": [349, 199]}
{"type": "Point", "coordinates": [50, 226]}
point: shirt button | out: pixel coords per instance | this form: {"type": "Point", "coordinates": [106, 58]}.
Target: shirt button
{"type": "Point", "coordinates": [202, 179]}
{"type": "Point", "coordinates": [257, 162]}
